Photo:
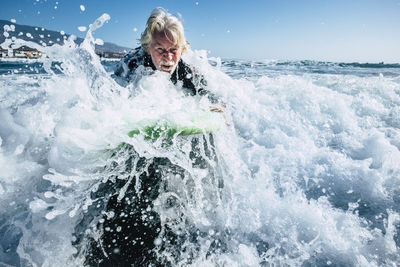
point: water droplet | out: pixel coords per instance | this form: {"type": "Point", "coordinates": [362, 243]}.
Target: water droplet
{"type": "Point", "coordinates": [82, 28]}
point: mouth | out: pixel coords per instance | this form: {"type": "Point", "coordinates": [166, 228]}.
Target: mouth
{"type": "Point", "coordinates": [167, 66]}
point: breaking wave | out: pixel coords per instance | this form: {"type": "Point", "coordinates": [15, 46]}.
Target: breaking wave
{"type": "Point", "coordinates": [304, 172]}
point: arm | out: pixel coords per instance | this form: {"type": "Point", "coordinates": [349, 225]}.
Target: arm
{"type": "Point", "coordinates": [126, 66]}
{"type": "Point", "coordinates": [216, 104]}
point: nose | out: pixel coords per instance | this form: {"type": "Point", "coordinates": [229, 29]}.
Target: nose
{"type": "Point", "coordinates": [167, 55]}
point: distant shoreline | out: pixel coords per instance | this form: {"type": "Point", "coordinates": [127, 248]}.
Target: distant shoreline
{"type": "Point", "coordinates": [33, 60]}
{"type": "Point", "coordinates": [29, 54]}
{"type": "Point", "coordinates": [297, 63]}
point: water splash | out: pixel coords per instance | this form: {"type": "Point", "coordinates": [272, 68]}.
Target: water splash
{"type": "Point", "coordinates": [306, 174]}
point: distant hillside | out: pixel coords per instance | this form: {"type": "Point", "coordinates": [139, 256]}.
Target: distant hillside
{"type": "Point", "coordinates": [41, 35]}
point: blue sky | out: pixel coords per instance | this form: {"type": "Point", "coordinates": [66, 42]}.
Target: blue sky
{"type": "Point", "coordinates": [331, 30]}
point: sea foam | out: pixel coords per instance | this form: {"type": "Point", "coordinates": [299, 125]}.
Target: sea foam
{"type": "Point", "coordinates": [306, 172]}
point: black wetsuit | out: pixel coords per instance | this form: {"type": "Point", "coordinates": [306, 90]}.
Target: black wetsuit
{"type": "Point", "coordinates": [192, 82]}
{"type": "Point", "coordinates": [122, 230]}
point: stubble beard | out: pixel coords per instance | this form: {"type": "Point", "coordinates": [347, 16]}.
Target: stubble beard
{"type": "Point", "coordinates": [167, 66]}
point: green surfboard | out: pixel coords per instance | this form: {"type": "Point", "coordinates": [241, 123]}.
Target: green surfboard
{"type": "Point", "coordinates": [165, 127]}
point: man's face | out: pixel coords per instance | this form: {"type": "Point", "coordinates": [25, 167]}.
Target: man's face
{"type": "Point", "coordinates": [164, 53]}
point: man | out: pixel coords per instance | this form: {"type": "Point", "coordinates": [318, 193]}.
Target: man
{"type": "Point", "coordinates": [162, 44]}
{"type": "Point", "coordinates": [128, 228]}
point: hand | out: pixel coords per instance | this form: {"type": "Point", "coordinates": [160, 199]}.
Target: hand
{"type": "Point", "coordinates": [220, 108]}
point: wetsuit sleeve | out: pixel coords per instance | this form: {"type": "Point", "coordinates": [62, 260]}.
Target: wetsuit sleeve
{"type": "Point", "coordinates": [129, 63]}
{"type": "Point", "coordinates": [123, 68]}
{"type": "Point", "coordinates": [195, 82]}
{"type": "Point", "coordinates": [202, 84]}
{"type": "Point", "coordinates": [126, 66]}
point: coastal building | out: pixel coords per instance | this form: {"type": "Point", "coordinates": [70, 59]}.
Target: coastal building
{"type": "Point", "coordinates": [27, 52]}
{"type": "Point", "coordinates": [22, 52]}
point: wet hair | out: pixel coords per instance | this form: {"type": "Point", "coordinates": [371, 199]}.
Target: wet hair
{"type": "Point", "coordinates": [162, 22]}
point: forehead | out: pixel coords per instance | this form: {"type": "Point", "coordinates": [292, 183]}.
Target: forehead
{"type": "Point", "coordinates": [161, 39]}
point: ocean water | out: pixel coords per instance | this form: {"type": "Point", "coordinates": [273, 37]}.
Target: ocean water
{"type": "Point", "coordinates": [305, 170]}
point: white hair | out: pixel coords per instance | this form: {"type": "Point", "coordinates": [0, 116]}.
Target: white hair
{"type": "Point", "coordinates": [162, 22]}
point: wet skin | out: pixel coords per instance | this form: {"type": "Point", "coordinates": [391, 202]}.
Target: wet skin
{"type": "Point", "coordinates": [164, 53]}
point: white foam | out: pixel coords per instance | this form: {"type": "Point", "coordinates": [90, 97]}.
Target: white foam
{"type": "Point", "coordinates": [303, 156]}
{"type": "Point", "coordinates": [37, 205]}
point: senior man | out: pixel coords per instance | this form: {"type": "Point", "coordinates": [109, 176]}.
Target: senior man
{"type": "Point", "coordinates": [162, 44]}
{"type": "Point", "coordinates": [128, 231]}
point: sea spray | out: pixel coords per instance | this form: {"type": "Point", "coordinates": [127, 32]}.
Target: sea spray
{"type": "Point", "coordinates": [305, 174]}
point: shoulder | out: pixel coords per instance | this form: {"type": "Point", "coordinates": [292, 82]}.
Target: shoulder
{"type": "Point", "coordinates": [194, 80]}
{"type": "Point", "coordinates": [135, 57]}
{"type": "Point", "coordinates": [130, 62]}
{"type": "Point", "coordinates": [186, 71]}
{"type": "Point", "coordinates": [191, 78]}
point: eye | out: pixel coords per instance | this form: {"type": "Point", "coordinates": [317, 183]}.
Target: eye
{"type": "Point", "coordinates": [160, 50]}
{"type": "Point", "coordinates": [173, 50]}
